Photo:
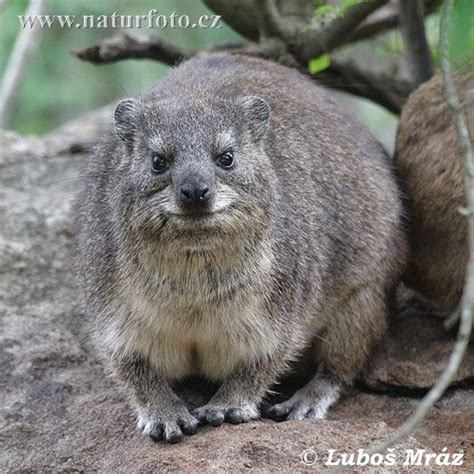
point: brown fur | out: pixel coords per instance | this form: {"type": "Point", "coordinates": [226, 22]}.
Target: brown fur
{"type": "Point", "coordinates": [429, 160]}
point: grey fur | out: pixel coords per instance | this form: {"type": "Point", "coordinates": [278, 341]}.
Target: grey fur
{"type": "Point", "coordinates": [301, 253]}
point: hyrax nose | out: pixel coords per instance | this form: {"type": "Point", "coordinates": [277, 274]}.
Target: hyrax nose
{"type": "Point", "coordinates": [194, 195]}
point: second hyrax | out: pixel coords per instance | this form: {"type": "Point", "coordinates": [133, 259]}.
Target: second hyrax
{"type": "Point", "coordinates": [236, 220]}
{"type": "Point", "coordinates": [429, 160]}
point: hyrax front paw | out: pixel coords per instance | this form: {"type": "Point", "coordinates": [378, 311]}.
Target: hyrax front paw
{"type": "Point", "coordinates": [296, 408]}
{"type": "Point", "coordinates": [312, 401]}
{"type": "Point", "coordinates": [169, 426]}
{"type": "Point", "coordinates": [215, 414]}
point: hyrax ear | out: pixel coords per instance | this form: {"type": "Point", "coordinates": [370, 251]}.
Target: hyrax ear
{"type": "Point", "coordinates": [256, 112]}
{"type": "Point", "coordinates": [125, 120]}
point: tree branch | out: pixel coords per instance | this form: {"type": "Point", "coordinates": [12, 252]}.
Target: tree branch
{"type": "Point", "coordinates": [323, 39]}
{"type": "Point", "coordinates": [122, 46]}
{"type": "Point", "coordinates": [414, 37]}
{"type": "Point", "coordinates": [465, 327]}
{"type": "Point", "coordinates": [275, 24]}
{"type": "Point", "coordinates": [240, 15]}
{"type": "Point", "coordinates": [379, 88]}
{"type": "Point", "coordinates": [385, 19]}
{"type": "Point", "coordinates": [382, 89]}
{"type": "Point", "coordinates": [244, 16]}
{"type": "Point", "coordinates": [307, 41]}
{"type": "Point", "coordinates": [283, 38]}
{"type": "Point", "coordinates": [465, 143]}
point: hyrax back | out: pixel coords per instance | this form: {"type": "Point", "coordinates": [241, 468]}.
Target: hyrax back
{"type": "Point", "coordinates": [429, 160]}
{"type": "Point", "coordinates": [237, 218]}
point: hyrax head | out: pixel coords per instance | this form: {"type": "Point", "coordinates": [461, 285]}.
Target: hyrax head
{"type": "Point", "coordinates": [194, 164]}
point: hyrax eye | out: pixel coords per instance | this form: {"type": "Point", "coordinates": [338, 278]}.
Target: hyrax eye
{"type": "Point", "coordinates": [159, 164]}
{"type": "Point", "coordinates": [226, 159]}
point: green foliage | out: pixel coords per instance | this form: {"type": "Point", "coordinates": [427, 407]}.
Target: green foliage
{"type": "Point", "coordinates": [462, 32]}
{"type": "Point", "coordinates": [319, 64]}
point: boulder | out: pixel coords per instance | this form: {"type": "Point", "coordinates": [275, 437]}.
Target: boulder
{"type": "Point", "coordinates": [416, 351]}
{"type": "Point", "coordinates": [60, 412]}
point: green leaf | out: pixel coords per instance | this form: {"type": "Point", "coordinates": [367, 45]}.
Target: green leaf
{"type": "Point", "coordinates": [323, 10]}
{"type": "Point", "coordinates": [462, 30]}
{"type": "Point", "coordinates": [319, 64]}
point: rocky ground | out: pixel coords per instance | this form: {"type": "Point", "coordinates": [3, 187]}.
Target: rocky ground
{"type": "Point", "coordinates": [60, 413]}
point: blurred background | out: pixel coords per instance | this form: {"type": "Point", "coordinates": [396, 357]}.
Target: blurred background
{"type": "Point", "coordinates": [57, 86]}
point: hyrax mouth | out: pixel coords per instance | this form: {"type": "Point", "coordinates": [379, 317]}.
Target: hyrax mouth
{"type": "Point", "coordinates": [198, 221]}
{"type": "Point", "coordinates": [197, 215]}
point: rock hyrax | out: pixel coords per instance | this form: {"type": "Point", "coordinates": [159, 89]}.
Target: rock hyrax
{"type": "Point", "coordinates": [236, 218]}
{"type": "Point", "coordinates": [429, 160]}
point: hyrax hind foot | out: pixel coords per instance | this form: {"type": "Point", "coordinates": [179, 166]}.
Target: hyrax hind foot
{"type": "Point", "coordinates": [312, 401]}
{"type": "Point", "coordinates": [215, 414]}
{"type": "Point", "coordinates": [170, 427]}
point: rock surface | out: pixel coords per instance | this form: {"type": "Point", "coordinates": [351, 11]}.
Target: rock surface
{"type": "Point", "coordinates": [415, 354]}
{"type": "Point", "coordinates": [60, 413]}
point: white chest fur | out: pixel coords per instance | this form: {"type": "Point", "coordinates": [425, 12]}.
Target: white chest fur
{"type": "Point", "coordinates": [194, 324]}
